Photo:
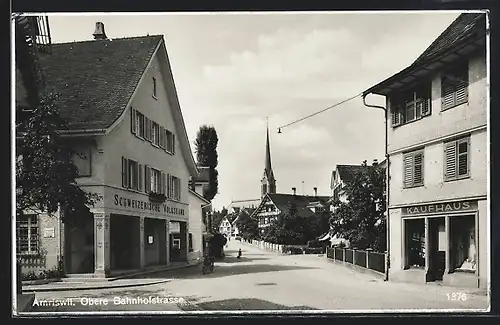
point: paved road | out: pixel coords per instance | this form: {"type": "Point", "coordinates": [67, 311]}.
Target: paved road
{"type": "Point", "coordinates": [263, 280]}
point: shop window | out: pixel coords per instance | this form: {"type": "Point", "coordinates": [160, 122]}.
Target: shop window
{"type": "Point", "coordinates": [463, 253]}
{"type": "Point", "coordinates": [190, 242]}
{"type": "Point", "coordinates": [27, 235]}
{"type": "Point", "coordinates": [415, 243]}
{"type": "Point", "coordinates": [177, 243]}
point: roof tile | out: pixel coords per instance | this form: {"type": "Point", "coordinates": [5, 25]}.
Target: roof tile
{"type": "Point", "coordinates": [97, 78]}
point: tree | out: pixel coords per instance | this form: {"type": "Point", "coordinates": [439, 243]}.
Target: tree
{"type": "Point", "coordinates": [217, 217]}
{"type": "Point", "coordinates": [206, 156]}
{"type": "Point", "coordinates": [318, 225]}
{"type": "Point", "coordinates": [361, 219]}
{"type": "Point", "coordinates": [247, 227]}
{"type": "Point", "coordinates": [45, 172]}
{"type": "Point", "coordinates": [288, 228]}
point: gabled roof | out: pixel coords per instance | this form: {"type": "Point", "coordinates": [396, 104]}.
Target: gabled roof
{"type": "Point", "coordinates": [347, 172]}
{"type": "Point", "coordinates": [465, 26]}
{"type": "Point", "coordinates": [96, 79]}
{"type": "Point", "coordinates": [464, 35]}
{"type": "Point", "coordinates": [200, 197]}
{"type": "Point", "coordinates": [302, 202]}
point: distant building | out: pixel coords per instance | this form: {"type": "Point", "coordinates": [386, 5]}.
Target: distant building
{"type": "Point", "coordinates": [438, 166]}
{"type": "Point", "coordinates": [237, 206]}
{"type": "Point", "coordinates": [275, 203]}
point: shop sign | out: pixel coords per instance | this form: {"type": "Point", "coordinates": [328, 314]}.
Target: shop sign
{"type": "Point", "coordinates": [125, 202]}
{"type": "Point", "coordinates": [434, 208]}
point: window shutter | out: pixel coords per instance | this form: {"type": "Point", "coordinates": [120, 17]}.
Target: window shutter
{"type": "Point", "coordinates": [463, 157]}
{"type": "Point", "coordinates": [418, 164]}
{"type": "Point", "coordinates": [425, 107]}
{"type": "Point", "coordinates": [141, 178]}
{"type": "Point", "coordinates": [178, 188]}
{"type": "Point", "coordinates": [450, 152]}
{"type": "Point", "coordinates": [163, 184]}
{"type": "Point", "coordinates": [124, 172]}
{"type": "Point", "coordinates": [461, 93]}
{"type": "Point", "coordinates": [448, 94]}
{"type": "Point", "coordinates": [408, 170]}
{"type": "Point", "coordinates": [173, 143]}
{"type": "Point", "coordinates": [168, 186]}
{"type": "Point", "coordinates": [133, 117]}
{"type": "Point", "coordinates": [147, 178]}
{"type": "Point", "coordinates": [395, 115]}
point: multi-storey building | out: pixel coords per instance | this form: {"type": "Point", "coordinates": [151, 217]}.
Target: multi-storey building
{"type": "Point", "coordinates": [126, 127]}
{"type": "Point", "coordinates": [437, 143]}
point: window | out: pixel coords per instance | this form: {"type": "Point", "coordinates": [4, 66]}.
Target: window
{"type": "Point", "coordinates": [413, 169]}
{"type": "Point", "coordinates": [411, 105]}
{"type": "Point", "coordinates": [190, 242]}
{"type": "Point", "coordinates": [155, 181]}
{"type": "Point", "coordinates": [454, 86]}
{"type": "Point", "coordinates": [415, 243]}
{"type": "Point", "coordinates": [456, 159]}
{"type": "Point", "coordinates": [155, 133]}
{"type": "Point", "coordinates": [463, 244]}
{"type": "Point", "coordinates": [174, 187]}
{"type": "Point", "coordinates": [27, 234]}
{"type": "Point", "coordinates": [140, 127]}
{"type": "Point", "coordinates": [131, 174]}
{"type": "Point", "coordinates": [177, 243]}
{"type": "Point", "coordinates": [154, 87]}
{"type": "Point", "coordinates": [170, 142]}
{"type": "Point", "coordinates": [82, 160]}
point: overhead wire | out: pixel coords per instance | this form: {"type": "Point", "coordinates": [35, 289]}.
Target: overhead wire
{"type": "Point", "coordinates": [320, 111]}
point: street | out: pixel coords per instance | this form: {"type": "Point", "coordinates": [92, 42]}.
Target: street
{"type": "Point", "coordinates": [263, 280]}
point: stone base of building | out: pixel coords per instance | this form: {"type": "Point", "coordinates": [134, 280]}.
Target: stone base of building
{"type": "Point", "coordinates": [457, 279]}
{"type": "Point", "coordinates": [417, 276]}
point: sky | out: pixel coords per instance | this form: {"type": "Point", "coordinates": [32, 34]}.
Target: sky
{"type": "Point", "coordinates": [237, 71]}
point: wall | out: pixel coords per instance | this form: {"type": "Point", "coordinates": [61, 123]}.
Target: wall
{"type": "Point", "coordinates": [196, 226]}
{"type": "Point", "coordinates": [48, 247]}
{"type": "Point", "coordinates": [435, 188]}
{"type": "Point", "coordinates": [466, 116]}
{"type": "Point", "coordinates": [140, 150]}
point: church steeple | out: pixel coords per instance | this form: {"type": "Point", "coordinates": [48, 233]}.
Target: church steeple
{"type": "Point", "coordinates": [268, 183]}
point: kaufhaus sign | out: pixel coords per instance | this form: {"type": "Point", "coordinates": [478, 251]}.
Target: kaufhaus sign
{"type": "Point", "coordinates": [436, 208]}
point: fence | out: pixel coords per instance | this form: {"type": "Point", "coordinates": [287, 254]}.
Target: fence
{"type": "Point", "coordinates": [373, 261]}
{"type": "Point", "coordinates": [267, 246]}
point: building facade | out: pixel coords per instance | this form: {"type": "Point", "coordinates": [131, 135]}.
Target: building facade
{"type": "Point", "coordinates": [127, 129]}
{"type": "Point", "coordinates": [438, 166]}
{"type": "Point", "coordinates": [226, 227]}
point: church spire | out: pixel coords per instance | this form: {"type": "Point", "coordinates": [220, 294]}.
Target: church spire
{"type": "Point", "coordinates": [268, 152]}
{"type": "Point", "coordinates": [268, 183]}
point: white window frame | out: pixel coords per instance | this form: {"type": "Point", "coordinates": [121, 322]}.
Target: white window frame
{"type": "Point", "coordinates": [30, 222]}
{"type": "Point", "coordinates": [154, 88]}
{"type": "Point", "coordinates": [418, 99]}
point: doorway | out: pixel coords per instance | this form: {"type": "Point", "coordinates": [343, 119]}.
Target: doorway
{"type": "Point", "coordinates": [438, 243]}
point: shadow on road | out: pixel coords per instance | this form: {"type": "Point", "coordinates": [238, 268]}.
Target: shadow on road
{"type": "Point", "coordinates": [194, 272]}
{"type": "Point", "coordinates": [248, 304]}
{"type": "Point", "coordinates": [233, 259]}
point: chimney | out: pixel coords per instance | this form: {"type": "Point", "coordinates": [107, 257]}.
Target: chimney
{"type": "Point", "coordinates": [375, 161]}
{"type": "Point", "coordinates": [315, 191]}
{"type": "Point", "coordinates": [99, 31]}
{"type": "Point", "coordinates": [294, 190]}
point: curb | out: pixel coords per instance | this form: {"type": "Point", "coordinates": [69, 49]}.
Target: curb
{"type": "Point", "coordinates": [97, 287]}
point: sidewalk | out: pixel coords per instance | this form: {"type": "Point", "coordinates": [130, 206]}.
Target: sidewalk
{"type": "Point", "coordinates": [81, 285]}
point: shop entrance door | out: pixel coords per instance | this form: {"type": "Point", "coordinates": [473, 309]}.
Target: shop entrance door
{"type": "Point", "coordinates": [437, 249]}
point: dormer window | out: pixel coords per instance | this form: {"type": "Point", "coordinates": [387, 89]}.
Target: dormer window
{"type": "Point", "coordinates": [154, 88]}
